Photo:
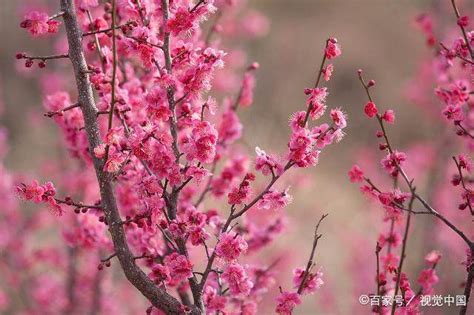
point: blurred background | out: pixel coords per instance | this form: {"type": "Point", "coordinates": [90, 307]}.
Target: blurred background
{"type": "Point", "coordinates": [376, 35]}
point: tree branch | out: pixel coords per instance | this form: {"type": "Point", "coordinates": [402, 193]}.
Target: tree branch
{"type": "Point", "coordinates": [311, 256]}
{"type": "Point", "coordinates": [157, 296]}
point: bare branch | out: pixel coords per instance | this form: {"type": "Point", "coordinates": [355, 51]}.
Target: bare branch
{"type": "Point", "coordinates": [311, 256]}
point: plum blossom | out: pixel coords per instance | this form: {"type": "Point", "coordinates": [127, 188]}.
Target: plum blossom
{"type": "Point", "coordinates": [87, 4]}
{"type": "Point", "coordinates": [213, 301]}
{"type": "Point", "coordinates": [160, 274]}
{"type": "Point", "coordinates": [267, 164]}
{"type": "Point", "coordinates": [241, 193]}
{"type": "Point", "coordinates": [333, 49]}
{"type": "Point", "coordinates": [433, 257]}
{"type": "Point", "coordinates": [274, 200]}
{"type": "Point", "coordinates": [356, 175]}
{"type": "Point", "coordinates": [40, 194]}
{"type": "Point", "coordinates": [179, 266]}
{"type": "Point", "coordinates": [38, 23]}
{"type": "Point", "coordinates": [427, 279]}
{"type": "Point", "coordinates": [312, 282]}
{"type": "Point", "coordinates": [114, 162]}
{"type": "Point", "coordinates": [465, 162]}
{"type": "Point", "coordinates": [370, 109]}
{"type": "Point", "coordinates": [339, 118]}
{"type": "Point", "coordinates": [463, 21]}
{"type": "Point", "coordinates": [316, 101]}
{"type": "Point", "coordinates": [230, 128]}
{"type": "Point", "coordinates": [230, 246]}
{"type": "Point", "coordinates": [201, 143]}
{"type": "Point", "coordinates": [389, 116]}
{"type": "Point", "coordinates": [302, 148]}
{"type": "Point", "coordinates": [237, 279]}
{"type": "Point", "coordinates": [328, 72]}
{"type": "Point", "coordinates": [392, 161]}
{"type": "Point", "coordinates": [287, 301]}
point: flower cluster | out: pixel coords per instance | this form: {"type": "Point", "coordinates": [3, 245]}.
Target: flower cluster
{"type": "Point", "coordinates": [39, 23]}
{"type": "Point", "coordinates": [164, 151]}
{"type": "Point", "coordinates": [400, 197]}
{"type": "Point", "coordinates": [40, 194]}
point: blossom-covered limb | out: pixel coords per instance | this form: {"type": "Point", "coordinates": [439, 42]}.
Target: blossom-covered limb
{"type": "Point", "coordinates": [388, 146]}
{"type": "Point", "coordinates": [137, 277]}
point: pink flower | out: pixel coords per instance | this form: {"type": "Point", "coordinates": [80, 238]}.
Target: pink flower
{"type": "Point", "coordinates": [433, 257]}
{"type": "Point", "coordinates": [453, 112]}
{"type": "Point", "coordinates": [87, 4]}
{"type": "Point", "coordinates": [427, 279]}
{"type": "Point", "coordinates": [465, 162]}
{"type": "Point", "coordinates": [239, 194]}
{"type": "Point", "coordinates": [456, 93]}
{"type": "Point", "coordinates": [53, 26]}
{"type": "Point", "coordinates": [237, 279]}
{"type": "Point", "coordinates": [312, 282]}
{"type": "Point", "coordinates": [114, 136]}
{"type": "Point", "coordinates": [389, 116]}
{"type": "Point", "coordinates": [114, 162]}
{"type": "Point", "coordinates": [328, 72]}
{"type": "Point", "coordinates": [99, 151]}
{"type": "Point", "coordinates": [287, 301]}
{"type": "Point", "coordinates": [463, 21]}
{"type": "Point", "coordinates": [230, 246]}
{"type": "Point", "coordinates": [38, 23]}
{"type": "Point", "coordinates": [332, 49]}
{"type": "Point", "coordinates": [213, 301]}
{"type": "Point", "coordinates": [302, 148]}
{"type": "Point", "coordinates": [274, 200]}
{"type": "Point", "coordinates": [33, 192]}
{"type": "Point", "coordinates": [316, 101]}
{"type": "Point", "coordinates": [230, 128]}
{"type": "Point", "coordinates": [297, 121]}
{"type": "Point", "coordinates": [339, 118]}
{"type": "Point", "coordinates": [201, 144]}
{"type": "Point", "coordinates": [54, 207]}
{"type": "Point", "coordinates": [182, 21]}
{"type": "Point", "coordinates": [356, 175]}
{"type": "Point", "coordinates": [392, 160]}
{"type": "Point", "coordinates": [390, 262]}
{"type": "Point", "coordinates": [179, 267]}
{"type": "Point", "coordinates": [198, 235]}
{"type": "Point", "coordinates": [266, 163]}
{"type": "Point", "coordinates": [370, 109]}
{"type": "Point", "coordinates": [392, 239]}
{"type": "Point", "coordinates": [41, 193]}
{"type": "Point", "coordinates": [159, 274]}
{"type": "Point", "coordinates": [198, 173]}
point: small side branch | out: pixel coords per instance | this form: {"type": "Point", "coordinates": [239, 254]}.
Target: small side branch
{"type": "Point", "coordinates": [309, 265]}
{"type": "Point", "coordinates": [403, 254]}
{"type": "Point", "coordinates": [43, 58]}
{"type": "Point", "coordinates": [61, 111]}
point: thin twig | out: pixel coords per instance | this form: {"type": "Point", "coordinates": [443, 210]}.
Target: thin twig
{"type": "Point", "coordinates": [61, 111]}
{"type": "Point", "coordinates": [311, 256]}
{"type": "Point", "coordinates": [50, 57]}
{"type": "Point", "coordinates": [403, 255]}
